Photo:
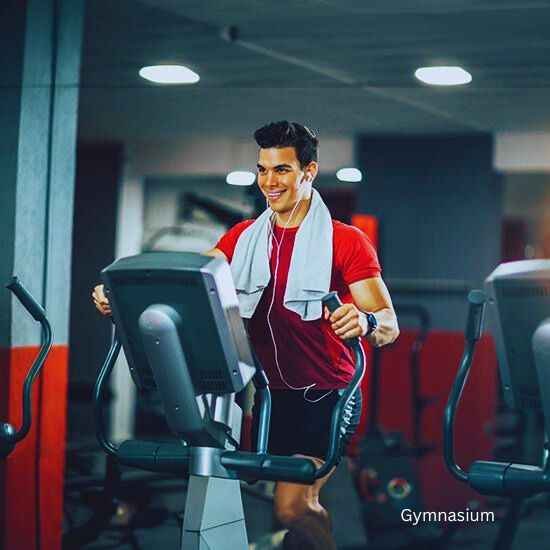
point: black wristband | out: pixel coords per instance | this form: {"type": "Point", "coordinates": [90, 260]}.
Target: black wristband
{"type": "Point", "coordinates": [371, 322]}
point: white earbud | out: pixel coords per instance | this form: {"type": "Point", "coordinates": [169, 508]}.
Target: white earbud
{"type": "Point", "coordinates": [305, 186]}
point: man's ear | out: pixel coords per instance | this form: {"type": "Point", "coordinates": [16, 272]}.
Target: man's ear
{"type": "Point", "coordinates": [311, 171]}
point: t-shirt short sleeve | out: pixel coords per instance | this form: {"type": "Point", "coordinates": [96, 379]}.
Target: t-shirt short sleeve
{"type": "Point", "coordinates": [354, 254]}
{"type": "Point", "coordinates": [228, 241]}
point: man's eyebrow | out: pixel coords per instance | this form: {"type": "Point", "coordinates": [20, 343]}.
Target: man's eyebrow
{"type": "Point", "coordinates": [275, 167]}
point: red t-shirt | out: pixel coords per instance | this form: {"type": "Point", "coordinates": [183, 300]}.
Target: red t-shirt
{"type": "Point", "coordinates": [308, 352]}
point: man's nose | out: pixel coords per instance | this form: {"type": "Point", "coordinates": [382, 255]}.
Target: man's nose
{"type": "Point", "coordinates": [271, 178]}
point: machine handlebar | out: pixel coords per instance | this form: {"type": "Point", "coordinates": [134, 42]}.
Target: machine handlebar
{"type": "Point", "coordinates": [26, 299]}
{"type": "Point", "coordinates": [476, 301]}
{"type": "Point", "coordinates": [167, 457]}
{"type": "Point", "coordinates": [270, 467]}
{"type": "Point", "coordinates": [486, 477]}
{"type": "Point", "coordinates": [332, 301]}
{"type": "Point", "coordinates": [260, 465]}
{"type": "Point", "coordinates": [9, 436]}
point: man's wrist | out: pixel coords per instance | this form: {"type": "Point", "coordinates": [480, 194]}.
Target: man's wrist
{"type": "Point", "coordinates": [369, 323]}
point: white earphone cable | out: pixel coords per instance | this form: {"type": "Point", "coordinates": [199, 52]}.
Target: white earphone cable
{"type": "Point", "coordinates": [276, 355]}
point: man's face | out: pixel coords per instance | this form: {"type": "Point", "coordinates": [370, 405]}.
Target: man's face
{"type": "Point", "coordinates": [279, 177]}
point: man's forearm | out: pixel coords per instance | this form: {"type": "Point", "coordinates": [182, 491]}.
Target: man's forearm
{"type": "Point", "coordinates": [387, 330]}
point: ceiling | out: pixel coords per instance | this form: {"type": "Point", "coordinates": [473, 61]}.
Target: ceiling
{"type": "Point", "coordinates": [341, 66]}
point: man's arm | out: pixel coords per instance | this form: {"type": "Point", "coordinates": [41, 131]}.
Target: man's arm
{"type": "Point", "coordinates": [369, 295]}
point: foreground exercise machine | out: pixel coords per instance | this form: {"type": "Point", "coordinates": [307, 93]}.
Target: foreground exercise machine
{"type": "Point", "coordinates": [517, 298]}
{"type": "Point", "coordinates": [9, 436]}
{"type": "Point", "coordinates": [177, 317]}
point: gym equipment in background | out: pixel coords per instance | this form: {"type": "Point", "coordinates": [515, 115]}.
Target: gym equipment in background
{"type": "Point", "coordinates": [517, 298]}
{"type": "Point", "coordinates": [385, 471]}
{"type": "Point", "coordinates": [9, 436]}
{"type": "Point", "coordinates": [177, 316]}
{"type": "Point", "coordinates": [196, 235]}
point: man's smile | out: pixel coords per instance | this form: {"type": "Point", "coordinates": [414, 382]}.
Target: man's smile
{"type": "Point", "coordinates": [274, 195]}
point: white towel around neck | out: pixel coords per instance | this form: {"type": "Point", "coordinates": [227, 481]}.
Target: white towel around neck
{"type": "Point", "coordinates": [310, 266]}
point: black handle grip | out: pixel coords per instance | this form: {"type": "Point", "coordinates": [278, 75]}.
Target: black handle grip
{"type": "Point", "coordinates": [26, 299]}
{"type": "Point", "coordinates": [270, 467]}
{"type": "Point", "coordinates": [476, 301]}
{"type": "Point", "coordinates": [155, 456]}
{"type": "Point", "coordinates": [331, 301]}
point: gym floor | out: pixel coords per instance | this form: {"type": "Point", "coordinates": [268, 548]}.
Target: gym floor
{"type": "Point", "coordinates": [157, 512]}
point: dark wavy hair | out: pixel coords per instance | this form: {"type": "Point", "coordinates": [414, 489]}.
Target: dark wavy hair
{"type": "Point", "coordinates": [289, 134]}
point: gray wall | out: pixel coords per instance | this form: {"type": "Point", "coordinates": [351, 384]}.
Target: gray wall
{"type": "Point", "coordinates": [95, 208]}
{"type": "Point", "coordinates": [440, 207]}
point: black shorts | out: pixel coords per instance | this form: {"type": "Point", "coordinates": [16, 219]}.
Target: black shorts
{"type": "Point", "coordinates": [301, 427]}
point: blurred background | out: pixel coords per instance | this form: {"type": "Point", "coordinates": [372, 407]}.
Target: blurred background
{"type": "Point", "coordinates": [449, 181]}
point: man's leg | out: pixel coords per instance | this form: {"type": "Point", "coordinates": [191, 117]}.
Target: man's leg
{"type": "Point", "coordinates": [293, 500]}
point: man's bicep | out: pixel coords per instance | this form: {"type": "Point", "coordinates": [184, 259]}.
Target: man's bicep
{"type": "Point", "coordinates": [215, 253]}
{"type": "Point", "coordinates": [371, 294]}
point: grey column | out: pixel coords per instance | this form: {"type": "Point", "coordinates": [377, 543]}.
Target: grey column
{"type": "Point", "coordinates": [40, 49]}
{"type": "Point", "coordinates": [38, 119]}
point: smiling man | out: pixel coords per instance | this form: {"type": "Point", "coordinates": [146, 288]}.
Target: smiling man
{"type": "Point", "coordinates": [283, 263]}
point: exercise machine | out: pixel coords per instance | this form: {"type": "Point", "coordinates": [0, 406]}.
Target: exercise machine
{"type": "Point", "coordinates": [9, 435]}
{"type": "Point", "coordinates": [176, 315]}
{"type": "Point", "coordinates": [386, 473]}
{"type": "Point", "coordinates": [517, 300]}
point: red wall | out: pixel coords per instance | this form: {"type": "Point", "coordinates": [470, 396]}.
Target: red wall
{"type": "Point", "coordinates": [31, 478]}
{"type": "Point", "coordinates": [439, 363]}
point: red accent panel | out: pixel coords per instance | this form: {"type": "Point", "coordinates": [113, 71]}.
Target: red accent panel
{"type": "Point", "coordinates": [51, 452]}
{"type": "Point", "coordinates": [31, 479]}
{"type": "Point", "coordinates": [438, 365]}
{"type": "Point", "coordinates": [18, 484]}
{"type": "Point", "coordinates": [477, 409]}
{"type": "Point", "coordinates": [369, 225]}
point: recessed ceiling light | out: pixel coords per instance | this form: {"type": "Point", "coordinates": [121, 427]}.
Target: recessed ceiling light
{"type": "Point", "coordinates": [169, 74]}
{"type": "Point", "coordinates": [240, 178]}
{"type": "Point", "coordinates": [349, 174]}
{"type": "Point", "coordinates": [443, 76]}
